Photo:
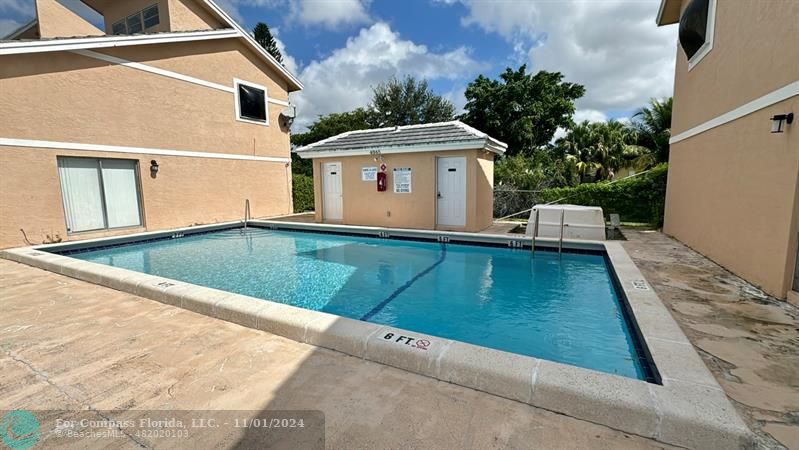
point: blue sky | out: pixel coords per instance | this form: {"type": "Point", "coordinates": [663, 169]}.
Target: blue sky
{"type": "Point", "coordinates": [341, 48]}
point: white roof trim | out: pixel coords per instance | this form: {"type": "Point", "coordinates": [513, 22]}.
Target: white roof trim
{"type": "Point", "coordinates": [257, 47]}
{"type": "Point", "coordinates": [659, 17]}
{"type": "Point", "coordinates": [55, 45]}
{"type": "Point", "coordinates": [83, 147]}
{"type": "Point", "coordinates": [483, 139]}
{"type": "Point", "coordinates": [476, 144]}
{"type": "Point", "coordinates": [51, 45]}
{"type": "Point", "coordinates": [14, 34]}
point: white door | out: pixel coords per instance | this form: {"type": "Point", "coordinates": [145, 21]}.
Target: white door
{"type": "Point", "coordinates": [332, 203]}
{"type": "Point", "coordinates": [451, 180]}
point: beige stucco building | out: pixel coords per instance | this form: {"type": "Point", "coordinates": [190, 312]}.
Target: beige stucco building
{"type": "Point", "coordinates": [171, 116]}
{"type": "Point", "coordinates": [733, 186]}
{"type": "Point", "coordinates": [434, 176]}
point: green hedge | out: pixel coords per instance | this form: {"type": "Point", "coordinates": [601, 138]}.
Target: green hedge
{"type": "Point", "coordinates": [302, 192]}
{"type": "Point", "coordinates": [638, 199]}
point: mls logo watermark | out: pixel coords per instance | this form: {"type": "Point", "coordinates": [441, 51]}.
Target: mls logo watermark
{"type": "Point", "coordinates": [19, 430]}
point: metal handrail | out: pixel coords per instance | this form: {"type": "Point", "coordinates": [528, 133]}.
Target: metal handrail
{"type": "Point", "coordinates": [560, 240]}
{"type": "Point", "coordinates": [535, 229]}
{"type": "Point", "coordinates": [247, 215]}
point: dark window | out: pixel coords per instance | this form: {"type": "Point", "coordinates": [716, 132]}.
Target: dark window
{"type": "Point", "coordinates": [134, 24]}
{"type": "Point", "coordinates": [252, 103]}
{"type": "Point", "coordinates": [151, 16]}
{"type": "Point", "coordinates": [119, 28]}
{"type": "Point", "coordinates": [693, 26]}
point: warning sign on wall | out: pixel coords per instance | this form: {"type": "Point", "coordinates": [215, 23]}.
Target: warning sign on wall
{"type": "Point", "coordinates": [368, 173]}
{"type": "Point", "coordinates": [402, 180]}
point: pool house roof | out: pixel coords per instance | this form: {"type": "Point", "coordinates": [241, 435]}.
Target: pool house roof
{"type": "Point", "coordinates": [440, 136]}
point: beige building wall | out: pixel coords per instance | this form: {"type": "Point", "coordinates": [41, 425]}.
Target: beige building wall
{"type": "Point", "coordinates": [753, 54]}
{"type": "Point", "coordinates": [91, 101]}
{"type": "Point", "coordinates": [732, 190]}
{"type": "Point", "coordinates": [57, 21]}
{"type": "Point", "coordinates": [190, 15]}
{"type": "Point", "coordinates": [174, 15]}
{"type": "Point", "coordinates": [364, 205]}
{"type": "Point", "coordinates": [70, 98]}
{"type": "Point", "coordinates": [185, 191]}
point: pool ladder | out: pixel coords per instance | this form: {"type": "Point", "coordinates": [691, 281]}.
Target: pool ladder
{"type": "Point", "coordinates": [247, 216]}
{"type": "Point", "coordinates": [560, 238]}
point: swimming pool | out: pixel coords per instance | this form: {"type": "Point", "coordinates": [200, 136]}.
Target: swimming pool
{"type": "Point", "coordinates": [564, 308]}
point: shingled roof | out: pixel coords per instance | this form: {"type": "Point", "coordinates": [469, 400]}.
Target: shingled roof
{"type": "Point", "coordinates": [439, 136]}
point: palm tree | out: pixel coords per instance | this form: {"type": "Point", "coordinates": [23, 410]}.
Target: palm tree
{"type": "Point", "coordinates": [598, 148]}
{"type": "Point", "coordinates": [652, 128]}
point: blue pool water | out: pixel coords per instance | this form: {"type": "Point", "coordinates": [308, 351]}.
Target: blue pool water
{"type": "Point", "coordinates": [562, 308]}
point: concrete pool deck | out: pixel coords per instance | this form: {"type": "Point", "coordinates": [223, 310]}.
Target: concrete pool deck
{"type": "Point", "coordinates": [748, 340]}
{"type": "Point", "coordinates": [665, 270]}
{"type": "Point", "coordinates": [71, 344]}
{"type": "Point", "coordinates": [687, 408]}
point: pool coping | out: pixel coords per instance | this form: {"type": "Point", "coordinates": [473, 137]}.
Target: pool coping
{"type": "Point", "coordinates": [688, 409]}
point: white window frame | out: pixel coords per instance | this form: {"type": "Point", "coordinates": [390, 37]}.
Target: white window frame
{"type": "Point", "coordinates": [709, 32]}
{"type": "Point", "coordinates": [141, 20]}
{"type": "Point", "coordinates": [236, 83]}
{"type": "Point", "coordinates": [158, 10]}
{"type": "Point", "coordinates": [137, 174]}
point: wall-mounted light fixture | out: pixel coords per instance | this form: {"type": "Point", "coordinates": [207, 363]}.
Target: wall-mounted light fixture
{"type": "Point", "coordinates": [778, 122]}
{"type": "Point", "coordinates": [153, 167]}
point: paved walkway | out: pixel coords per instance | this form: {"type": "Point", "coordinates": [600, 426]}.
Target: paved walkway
{"type": "Point", "coordinates": [748, 340]}
{"type": "Point", "coordinates": [70, 344]}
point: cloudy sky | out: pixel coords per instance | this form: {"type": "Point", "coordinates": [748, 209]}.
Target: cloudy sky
{"type": "Point", "coordinates": [341, 48]}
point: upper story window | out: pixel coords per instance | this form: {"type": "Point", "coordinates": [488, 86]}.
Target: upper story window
{"type": "Point", "coordinates": [119, 28]}
{"type": "Point", "coordinates": [251, 103]}
{"type": "Point", "coordinates": [136, 23]}
{"type": "Point", "coordinates": [150, 16]}
{"type": "Point", "coordinates": [697, 24]}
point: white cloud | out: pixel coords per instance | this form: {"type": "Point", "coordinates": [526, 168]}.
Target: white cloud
{"type": "Point", "coordinates": [288, 61]}
{"type": "Point", "coordinates": [344, 80]}
{"type": "Point", "coordinates": [612, 47]}
{"type": "Point", "coordinates": [581, 115]}
{"type": "Point", "coordinates": [590, 115]}
{"type": "Point", "coordinates": [329, 14]}
{"type": "Point", "coordinates": [7, 26]}
{"type": "Point", "coordinates": [232, 6]}
{"type": "Point", "coordinates": [23, 7]}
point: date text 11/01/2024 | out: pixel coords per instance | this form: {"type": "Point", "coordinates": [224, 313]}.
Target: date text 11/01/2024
{"type": "Point", "coordinates": [195, 422]}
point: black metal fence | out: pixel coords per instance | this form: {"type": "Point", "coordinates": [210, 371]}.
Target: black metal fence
{"type": "Point", "coordinates": [509, 200]}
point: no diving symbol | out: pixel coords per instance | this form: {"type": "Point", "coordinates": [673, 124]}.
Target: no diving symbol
{"type": "Point", "coordinates": [422, 344]}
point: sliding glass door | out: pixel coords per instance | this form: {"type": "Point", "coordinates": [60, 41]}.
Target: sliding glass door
{"type": "Point", "coordinates": [99, 193]}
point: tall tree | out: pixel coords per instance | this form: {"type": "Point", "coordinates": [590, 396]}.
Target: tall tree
{"type": "Point", "coordinates": [599, 148]}
{"type": "Point", "coordinates": [652, 125]}
{"type": "Point", "coordinates": [264, 37]}
{"type": "Point", "coordinates": [408, 102]}
{"type": "Point", "coordinates": [521, 109]}
{"type": "Point", "coordinates": [323, 128]}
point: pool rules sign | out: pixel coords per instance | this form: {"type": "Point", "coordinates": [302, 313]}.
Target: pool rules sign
{"type": "Point", "coordinates": [402, 180]}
